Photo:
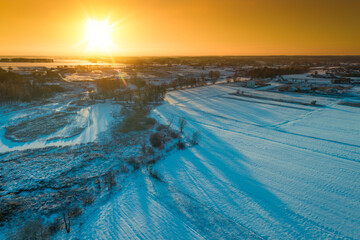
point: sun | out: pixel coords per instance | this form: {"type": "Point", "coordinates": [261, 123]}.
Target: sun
{"type": "Point", "coordinates": [98, 35]}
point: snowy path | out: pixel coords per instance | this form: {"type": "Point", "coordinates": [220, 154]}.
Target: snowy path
{"type": "Point", "coordinates": [262, 169]}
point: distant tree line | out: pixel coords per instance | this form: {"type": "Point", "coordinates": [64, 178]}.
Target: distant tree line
{"type": "Point", "coordinates": [13, 87]}
{"type": "Point", "coordinates": [266, 72]}
{"type": "Point", "coordinates": [144, 93]}
{"type": "Point", "coordinates": [234, 60]}
{"type": "Point", "coordinates": [190, 82]}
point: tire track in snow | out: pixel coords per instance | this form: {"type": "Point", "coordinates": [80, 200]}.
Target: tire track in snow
{"type": "Point", "coordinates": [297, 223]}
{"type": "Point", "coordinates": [311, 223]}
{"type": "Point", "coordinates": [303, 116]}
{"type": "Point", "coordinates": [274, 129]}
{"type": "Point", "coordinates": [211, 223]}
{"type": "Point", "coordinates": [265, 103]}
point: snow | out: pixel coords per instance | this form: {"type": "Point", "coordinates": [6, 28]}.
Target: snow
{"type": "Point", "coordinates": [262, 169]}
{"type": "Point", "coordinates": [90, 76]}
{"type": "Point", "coordinates": [307, 77]}
{"type": "Point", "coordinates": [93, 119]}
{"type": "Point", "coordinates": [282, 172]}
{"type": "Point", "coordinates": [134, 214]}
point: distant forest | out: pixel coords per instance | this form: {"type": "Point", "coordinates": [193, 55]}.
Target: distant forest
{"type": "Point", "coordinates": [235, 60]}
{"type": "Point", "coordinates": [13, 88]}
{"type": "Point", "coordinates": [26, 60]}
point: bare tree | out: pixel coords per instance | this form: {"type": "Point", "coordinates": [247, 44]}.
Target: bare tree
{"type": "Point", "coordinates": [182, 123]}
{"type": "Point", "coordinates": [109, 179]}
{"type": "Point", "coordinates": [214, 76]}
{"type": "Point", "coordinates": [170, 123]}
{"type": "Point", "coordinates": [143, 146]}
{"type": "Point", "coordinates": [67, 222]}
{"type": "Point", "coordinates": [203, 78]}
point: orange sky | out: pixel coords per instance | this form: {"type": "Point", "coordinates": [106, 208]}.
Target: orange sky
{"type": "Point", "coordinates": [184, 27]}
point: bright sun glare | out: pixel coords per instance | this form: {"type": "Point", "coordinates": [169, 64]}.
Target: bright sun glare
{"type": "Point", "coordinates": [98, 35]}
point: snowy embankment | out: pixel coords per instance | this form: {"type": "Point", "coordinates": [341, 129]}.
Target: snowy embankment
{"type": "Point", "coordinates": [262, 169]}
{"type": "Point", "coordinates": [85, 125]}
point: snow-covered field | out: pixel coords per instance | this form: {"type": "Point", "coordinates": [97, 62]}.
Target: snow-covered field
{"type": "Point", "coordinates": [57, 153]}
{"type": "Point", "coordinates": [85, 125]}
{"type": "Point", "coordinates": [306, 77]}
{"type": "Point", "coordinates": [262, 169]}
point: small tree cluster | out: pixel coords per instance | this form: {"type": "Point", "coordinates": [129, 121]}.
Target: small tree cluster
{"type": "Point", "coordinates": [13, 87]}
{"type": "Point", "coordinates": [108, 86]}
{"type": "Point", "coordinates": [156, 140]}
{"type": "Point", "coordinates": [137, 120]}
{"type": "Point", "coordinates": [185, 82]}
{"type": "Point", "coordinates": [151, 93]}
{"type": "Point", "coordinates": [267, 72]}
{"type": "Point", "coordinates": [214, 76]}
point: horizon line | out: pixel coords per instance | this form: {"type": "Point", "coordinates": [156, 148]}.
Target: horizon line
{"type": "Point", "coordinates": [154, 56]}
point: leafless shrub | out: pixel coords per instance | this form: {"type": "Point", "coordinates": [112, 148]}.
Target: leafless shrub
{"type": "Point", "coordinates": [109, 179]}
{"type": "Point", "coordinates": [154, 174]}
{"type": "Point", "coordinates": [74, 211]}
{"type": "Point", "coordinates": [55, 226]}
{"type": "Point", "coordinates": [156, 140]}
{"type": "Point", "coordinates": [313, 102]}
{"type": "Point", "coordinates": [133, 162]}
{"type": "Point", "coordinates": [173, 134]}
{"type": "Point", "coordinates": [150, 150]}
{"type": "Point", "coordinates": [8, 208]}
{"type": "Point", "coordinates": [137, 120]}
{"type": "Point", "coordinates": [97, 182]}
{"type": "Point", "coordinates": [195, 138]}
{"type": "Point", "coordinates": [68, 214]}
{"type": "Point", "coordinates": [181, 145]}
{"type": "Point", "coordinates": [162, 146]}
{"type": "Point", "coordinates": [124, 169]}
{"type": "Point", "coordinates": [87, 199]}
{"type": "Point", "coordinates": [161, 127]}
{"type": "Point", "coordinates": [170, 123]}
{"type": "Point", "coordinates": [147, 150]}
{"type": "Point", "coordinates": [143, 146]}
{"type": "Point", "coordinates": [33, 229]}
